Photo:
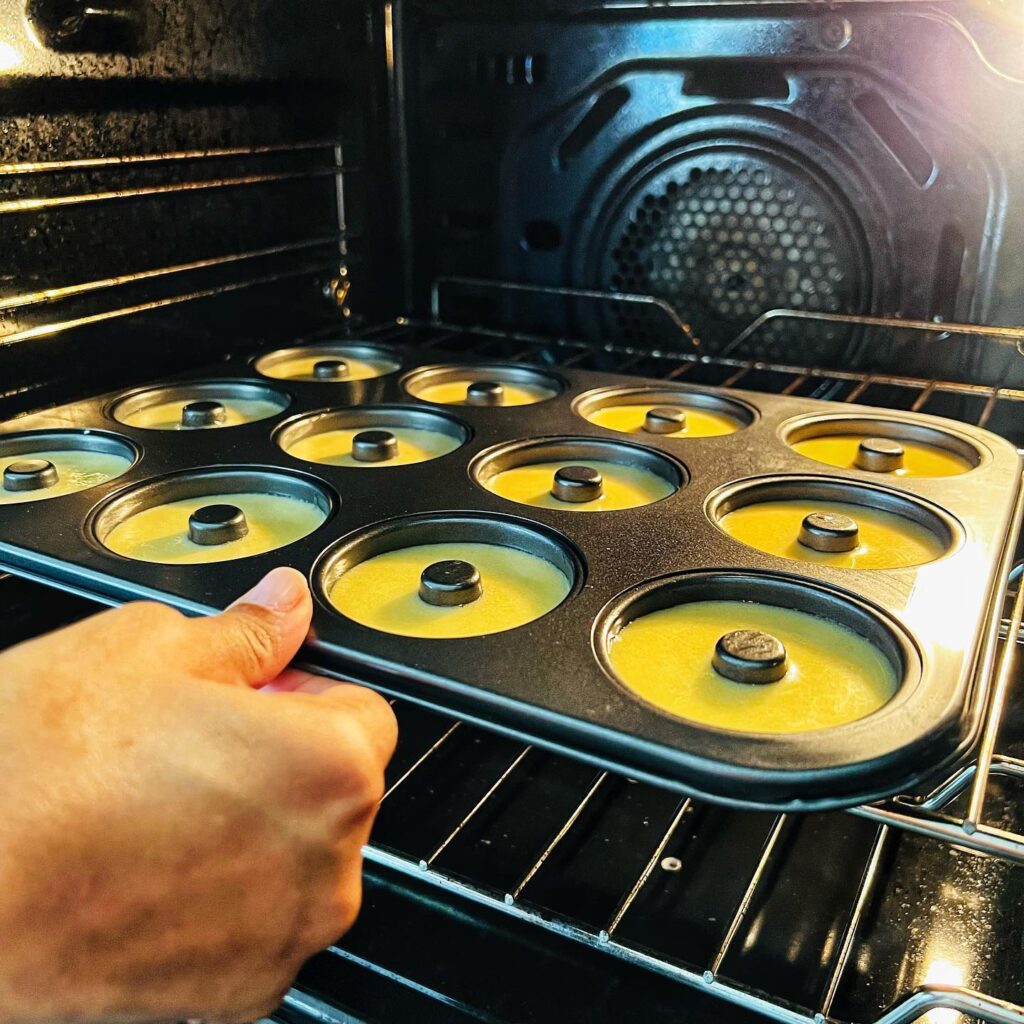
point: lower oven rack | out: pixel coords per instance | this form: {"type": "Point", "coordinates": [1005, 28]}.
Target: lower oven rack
{"type": "Point", "coordinates": [953, 812]}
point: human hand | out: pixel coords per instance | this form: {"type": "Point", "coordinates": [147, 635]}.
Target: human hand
{"type": "Point", "coordinates": [173, 843]}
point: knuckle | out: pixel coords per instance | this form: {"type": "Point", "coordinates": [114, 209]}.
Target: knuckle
{"type": "Point", "coordinates": [344, 910]}
{"type": "Point", "coordinates": [341, 750]}
{"type": "Point", "coordinates": [335, 912]}
{"type": "Point", "coordinates": [360, 772]}
{"type": "Point", "coordinates": [346, 916]}
{"type": "Point", "coordinates": [372, 788]}
{"type": "Point", "coordinates": [257, 643]}
{"type": "Point", "coordinates": [382, 717]}
{"type": "Point", "coordinates": [374, 717]}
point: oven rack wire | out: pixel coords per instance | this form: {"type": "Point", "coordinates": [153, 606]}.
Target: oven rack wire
{"type": "Point", "coordinates": [931, 814]}
{"type": "Point", "coordinates": [114, 180]}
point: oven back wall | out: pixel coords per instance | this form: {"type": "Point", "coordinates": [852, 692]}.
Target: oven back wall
{"type": "Point", "coordinates": [852, 161]}
{"type": "Point", "coordinates": [179, 163]}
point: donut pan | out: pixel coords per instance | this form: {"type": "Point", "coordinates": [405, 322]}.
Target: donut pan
{"type": "Point", "coordinates": [552, 681]}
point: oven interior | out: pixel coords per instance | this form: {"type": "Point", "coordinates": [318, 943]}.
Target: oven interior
{"type": "Point", "coordinates": [788, 198]}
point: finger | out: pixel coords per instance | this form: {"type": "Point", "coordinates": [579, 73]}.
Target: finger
{"type": "Point", "coordinates": [252, 642]}
{"type": "Point", "coordinates": [366, 708]}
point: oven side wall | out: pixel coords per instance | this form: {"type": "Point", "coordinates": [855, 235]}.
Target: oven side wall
{"type": "Point", "coordinates": [170, 181]}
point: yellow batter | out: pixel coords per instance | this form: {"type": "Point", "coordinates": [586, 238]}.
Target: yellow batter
{"type": "Point", "coordinates": [834, 675]}
{"type": "Point", "coordinates": [383, 591]}
{"type": "Point", "coordinates": [886, 540]}
{"type": "Point", "coordinates": [453, 392]}
{"type": "Point", "coordinates": [629, 419]}
{"type": "Point", "coordinates": [301, 368]}
{"type": "Point", "coordinates": [624, 486]}
{"type": "Point", "coordinates": [76, 470]}
{"type": "Point", "coordinates": [918, 459]}
{"type": "Point", "coordinates": [160, 534]}
{"type": "Point", "coordinates": [334, 447]}
{"type": "Point", "coordinates": [167, 415]}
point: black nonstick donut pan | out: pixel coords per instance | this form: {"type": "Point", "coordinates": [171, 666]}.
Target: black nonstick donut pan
{"type": "Point", "coordinates": [549, 682]}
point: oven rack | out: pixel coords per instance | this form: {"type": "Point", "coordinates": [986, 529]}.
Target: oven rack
{"type": "Point", "coordinates": [43, 186]}
{"type": "Point", "coordinates": [935, 814]}
{"type": "Point", "coordinates": [938, 327]}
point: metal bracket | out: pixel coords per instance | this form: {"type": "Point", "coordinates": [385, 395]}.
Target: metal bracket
{"type": "Point", "coordinates": [1013, 335]}
{"type": "Point", "coordinates": [570, 293]}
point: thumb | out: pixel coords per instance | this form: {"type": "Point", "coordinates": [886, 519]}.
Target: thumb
{"type": "Point", "coordinates": [252, 641]}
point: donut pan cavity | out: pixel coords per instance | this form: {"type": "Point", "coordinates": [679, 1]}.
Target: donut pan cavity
{"type": "Point", "coordinates": [549, 681]}
{"type": "Point", "coordinates": [215, 392]}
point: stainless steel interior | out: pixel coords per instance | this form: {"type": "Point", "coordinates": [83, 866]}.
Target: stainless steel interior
{"type": "Point", "coordinates": [961, 843]}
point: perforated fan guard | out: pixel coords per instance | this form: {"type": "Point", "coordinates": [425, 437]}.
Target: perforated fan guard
{"type": "Point", "coordinates": [726, 236]}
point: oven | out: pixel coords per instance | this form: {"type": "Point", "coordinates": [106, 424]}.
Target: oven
{"type": "Point", "coordinates": [794, 200]}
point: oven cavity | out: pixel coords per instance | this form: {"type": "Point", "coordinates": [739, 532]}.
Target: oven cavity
{"type": "Point", "coordinates": [882, 446]}
{"type": "Point", "coordinates": [327, 363]}
{"type": "Point", "coordinates": [449, 576]}
{"type": "Point", "coordinates": [833, 522]}
{"type": "Point", "coordinates": [201, 405]}
{"type": "Point", "coordinates": [485, 386]}
{"type": "Point", "coordinates": [212, 515]}
{"type": "Point", "coordinates": [578, 474]}
{"type": "Point", "coordinates": [664, 412]}
{"type": "Point", "coordinates": [48, 464]}
{"type": "Point", "coordinates": [752, 653]}
{"type": "Point", "coordinates": [372, 436]}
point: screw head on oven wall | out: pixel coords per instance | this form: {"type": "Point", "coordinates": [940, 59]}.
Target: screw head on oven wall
{"type": "Point", "coordinates": [835, 33]}
{"type": "Point", "coordinates": [336, 290]}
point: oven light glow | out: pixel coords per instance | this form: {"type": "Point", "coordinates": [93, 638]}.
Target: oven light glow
{"type": "Point", "coordinates": [9, 57]}
{"type": "Point", "coordinates": [943, 972]}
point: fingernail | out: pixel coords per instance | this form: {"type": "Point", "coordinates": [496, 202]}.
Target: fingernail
{"type": "Point", "coordinates": [281, 590]}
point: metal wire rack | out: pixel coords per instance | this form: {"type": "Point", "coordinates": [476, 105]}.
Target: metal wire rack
{"type": "Point", "coordinates": [40, 187]}
{"type": "Point", "coordinates": [953, 812]}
